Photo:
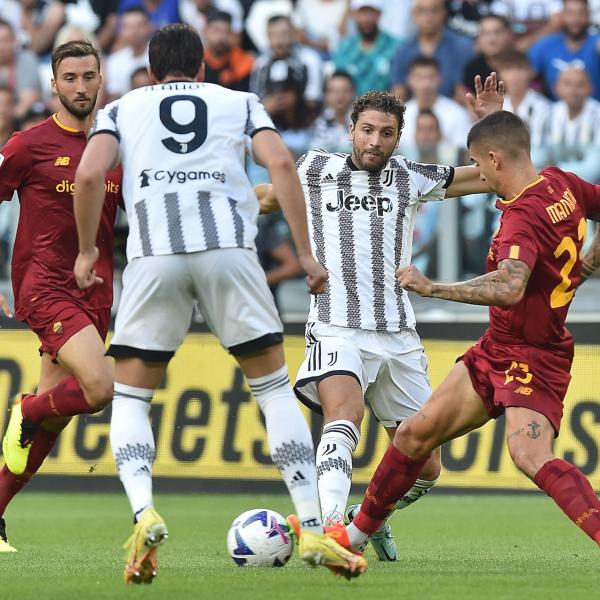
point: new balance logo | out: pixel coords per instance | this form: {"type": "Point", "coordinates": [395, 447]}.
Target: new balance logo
{"type": "Point", "coordinates": [329, 449]}
{"type": "Point", "coordinates": [328, 178]}
{"type": "Point", "coordinates": [62, 161]}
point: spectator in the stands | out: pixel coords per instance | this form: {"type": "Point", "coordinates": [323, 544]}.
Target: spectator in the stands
{"type": "Point", "coordinates": [573, 142]}
{"type": "Point", "coordinates": [332, 127]}
{"type": "Point", "coordinates": [318, 23]}
{"type": "Point", "coordinates": [96, 16]}
{"type": "Point", "coordinates": [424, 81]}
{"type": "Point", "coordinates": [574, 45]}
{"type": "Point", "coordinates": [367, 55]}
{"type": "Point", "coordinates": [451, 50]}
{"type": "Point", "coordinates": [36, 114]}
{"type": "Point", "coordinates": [465, 16]}
{"type": "Point", "coordinates": [197, 13]}
{"type": "Point", "coordinates": [276, 251]}
{"type": "Point", "coordinates": [139, 78]}
{"type": "Point", "coordinates": [494, 39]}
{"type": "Point", "coordinates": [225, 64]}
{"type": "Point", "coordinates": [531, 19]}
{"type": "Point", "coordinates": [534, 108]}
{"type": "Point", "coordinates": [257, 20]}
{"type": "Point", "coordinates": [19, 70]}
{"type": "Point", "coordinates": [134, 36]}
{"type": "Point", "coordinates": [284, 57]}
{"type": "Point", "coordinates": [160, 12]}
{"type": "Point", "coordinates": [40, 21]}
{"type": "Point", "coordinates": [285, 103]}
{"type": "Point", "coordinates": [8, 114]}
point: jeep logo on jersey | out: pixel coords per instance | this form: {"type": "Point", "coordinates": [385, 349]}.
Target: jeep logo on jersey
{"type": "Point", "coordinates": [369, 203]}
{"type": "Point", "coordinates": [147, 176]}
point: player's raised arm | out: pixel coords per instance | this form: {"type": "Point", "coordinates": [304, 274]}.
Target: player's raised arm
{"type": "Point", "coordinates": [503, 287]}
{"type": "Point", "coordinates": [100, 155]}
{"type": "Point", "coordinates": [269, 151]}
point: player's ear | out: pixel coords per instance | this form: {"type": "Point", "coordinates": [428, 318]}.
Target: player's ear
{"type": "Point", "coordinates": [151, 75]}
{"type": "Point", "coordinates": [53, 85]}
{"type": "Point", "coordinates": [351, 132]}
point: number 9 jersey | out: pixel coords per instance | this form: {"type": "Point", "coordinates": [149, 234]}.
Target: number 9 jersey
{"type": "Point", "coordinates": [544, 227]}
{"type": "Point", "coordinates": [183, 147]}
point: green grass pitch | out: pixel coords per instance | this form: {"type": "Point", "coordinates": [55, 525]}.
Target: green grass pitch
{"type": "Point", "coordinates": [452, 547]}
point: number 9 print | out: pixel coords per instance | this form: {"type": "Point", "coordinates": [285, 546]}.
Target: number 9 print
{"type": "Point", "coordinates": [198, 125]}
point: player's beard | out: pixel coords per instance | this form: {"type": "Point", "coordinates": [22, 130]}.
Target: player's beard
{"type": "Point", "coordinates": [374, 162]}
{"type": "Point", "coordinates": [79, 110]}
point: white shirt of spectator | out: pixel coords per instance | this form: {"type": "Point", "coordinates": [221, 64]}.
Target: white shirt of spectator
{"type": "Point", "coordinates": [320, 19]}
{"type": "Point", "coordinates": [81, 14]}
{"type": "Point", "coordinates": [192, 16]}
{"type": "Point", "coordinates": [582, 130]}
{"type": "Point", "coordinates": [535, 110]}
{"type": "Point", "coordinates": [526, 10]}
{"type": "Point", "coordinates": [120, 66]}
{"type": "Point", "coordinates": [453, 118]}
{"type": "Point", "coordinates": [258, 16]}
{"type": "Point", "coordinates": [183, 146]}
{"type": "Point", "coordinates": [361, 225]}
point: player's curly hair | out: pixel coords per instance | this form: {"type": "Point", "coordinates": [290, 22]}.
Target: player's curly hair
{"type": "Point", "coordinates": [382, 101]}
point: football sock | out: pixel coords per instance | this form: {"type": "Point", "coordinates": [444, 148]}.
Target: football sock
{"type": "Point", "coordinates": [63, 400]}
{"type": "Point", "coordinates": [570, 489]}
{"type": "Point", "coordinates": [290, 443]}
{"type": "Point", "coordinates": [334, 467]}
{"type": "Point", "coordinates": [10, 484]}
{"type": "Point", "coordinates": [395, 476]}
{"type": "Point", "coordinates": [132, 443]}
{"type": "Point", "coordinates": [416, 492]}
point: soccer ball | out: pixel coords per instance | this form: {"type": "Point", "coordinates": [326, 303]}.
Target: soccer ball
{"type": "Point", "coordinates": [260, 538]}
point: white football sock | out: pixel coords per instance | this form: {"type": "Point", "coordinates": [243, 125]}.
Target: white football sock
{"type": "Point", "coordinates": [416, 492]}
{"type": "Point", "coordinates": [133, 443]}
{"type": "Point", "coordinates": [358, 539]}
{"type": "Point", "coordinates": [334, 467]}
{"type": "Point", "coordinates": [290, 444]}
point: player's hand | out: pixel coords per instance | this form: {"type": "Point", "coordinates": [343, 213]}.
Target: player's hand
{"type": "Point", "coordinates": [411, 279]}
{"type": "Point", "coordinates": [266, 199]}
{"type": "Point", "coordinates": [316, 275]}
{"type": "Point", "coordinates": [5, 307]}
{"type": "Point", "coordinates": [489, 96]}
{"type": "Point", "coordinates": [85, 274]}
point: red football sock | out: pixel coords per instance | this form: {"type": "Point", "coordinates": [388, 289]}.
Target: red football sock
{"type": "Point", "coordinates": [64, 400]}
{"type": "Point", "coordinates": [394, 476]}
{"type": "Point", "coordinates": [10, 484]}
{"type": "Point", "coordinates": [570, 489]}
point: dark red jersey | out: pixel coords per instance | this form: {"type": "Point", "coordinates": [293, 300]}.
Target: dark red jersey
{"type": "Point", "coordinates": [40, 164]}
{"type": "Point", "coordinates": [545, 228]}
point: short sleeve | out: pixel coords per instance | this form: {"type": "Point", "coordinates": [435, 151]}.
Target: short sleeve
{"type": "Point", "coordinates": [590, 198]}
{"type": "Point", "coordinates": [517, 238]}
{"type": "Point", "coordinates": [106, 121]}
{"type": "Point", "coordinates": [257, 117]}
{"type": "Point", "coordinates": [431, 181]}
{"type": "Point", "coordinates": [15, 164]}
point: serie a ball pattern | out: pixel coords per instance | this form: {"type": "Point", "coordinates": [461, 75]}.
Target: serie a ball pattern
{"type": "Point", "coordinates": [260, 538]}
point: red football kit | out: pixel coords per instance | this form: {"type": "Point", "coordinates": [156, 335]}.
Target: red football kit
{"type": "Point", "coordinates": [40, 164]}
{"type": "Point", "coordinates": [524, 358]}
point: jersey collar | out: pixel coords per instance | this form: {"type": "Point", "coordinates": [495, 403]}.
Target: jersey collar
{"type": "Point", "coordinates": [505, 203]}
{"type": "Point", "coordinates": [66, 128]}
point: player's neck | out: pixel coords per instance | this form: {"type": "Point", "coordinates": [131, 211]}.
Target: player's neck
{"type": "Point", "coordinates": [518, 180]}
{"type": "Point", "coordinates": [70, 121]}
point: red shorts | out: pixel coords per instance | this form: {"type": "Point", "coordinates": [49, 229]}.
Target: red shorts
{"type": "Point", "coordinates": [56, 321]}
{"type": "Point", "coordinates": [517, 375]}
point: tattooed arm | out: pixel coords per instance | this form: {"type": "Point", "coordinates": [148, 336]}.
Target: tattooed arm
{"type": "Point", "coordinates": [591, 259]}
{"type": "Point", "coordinates": [504, 287]}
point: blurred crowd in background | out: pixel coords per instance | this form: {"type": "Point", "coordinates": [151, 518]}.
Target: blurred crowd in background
{"type": "Point", "coordinates": [308, 59]}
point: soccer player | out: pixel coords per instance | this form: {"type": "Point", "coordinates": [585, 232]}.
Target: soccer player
{"type": "Point", "coordinates": [192, 213]}
{"type": "Point", "coordinates": [361, 338]}
{"type": "Point", "coordinates": [521, 365]}
{"type": "Point", "coordinates": [39, 164]}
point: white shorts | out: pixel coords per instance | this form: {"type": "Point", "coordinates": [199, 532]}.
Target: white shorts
{"type": "Point", "coordinates": [391, 368]}
{"type": "Point", "coordinates": [158, 297]}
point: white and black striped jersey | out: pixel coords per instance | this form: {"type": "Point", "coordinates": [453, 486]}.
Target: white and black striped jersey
{"type": "Point", "coordinates": [183, 147]}
{"type": "Point", "coordinates": [361, 226]}
{"type": "Point", "coordinates": [583, 130]}
{"type": "Point", "coordinates": [535, 110]}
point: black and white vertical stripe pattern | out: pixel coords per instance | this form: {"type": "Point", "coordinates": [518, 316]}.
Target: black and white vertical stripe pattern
{"type": "Point", "coordinates": [209, 224]}
{"type": "Point", "coordinates": [141, 212]}
{"type": "Point", "coordinates": [313, 179]}
{"type": "Point", "coordinates": [402, 194]}
{"type": "Point", "coordinates": [174, 223]}
{"type": "Point", "coordinates": [348, 252]}
{"type": "Point", "coordinates": [238, 223]}
{"type": "Point", "coordinates": [377, 258]}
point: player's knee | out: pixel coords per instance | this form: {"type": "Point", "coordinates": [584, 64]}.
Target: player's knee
{"type": "Point", "coordinates": [413, 440]}
{"type": "Point", "coordinates": [526, 460]}
{"type": "Point", "coordinates": [98, 391]}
